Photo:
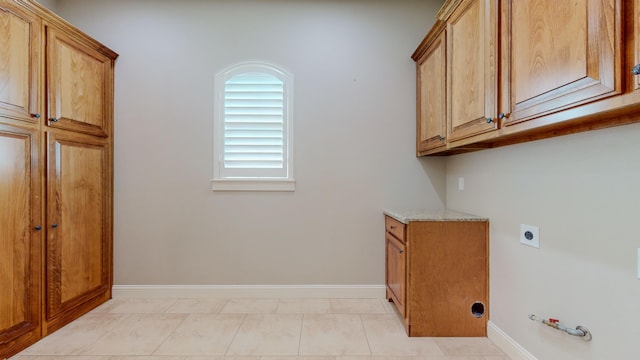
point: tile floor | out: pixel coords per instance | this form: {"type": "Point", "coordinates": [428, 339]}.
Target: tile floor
{"type": "Point", "coordinates": [249, 329]}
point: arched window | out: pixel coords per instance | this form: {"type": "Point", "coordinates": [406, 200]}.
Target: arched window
{"type": "Point", "coordinates": [253, 145]}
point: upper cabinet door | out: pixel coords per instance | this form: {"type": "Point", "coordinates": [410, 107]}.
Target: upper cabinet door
{"type": "Point", "coordinates": [78, 85]}
{"type": "Point", "coordinates": [636, 46]}
{"type": "Point", "coordinates": [471, 69]}
{"type": "Point", "coordinates": [19, 63]}
{"type": "Point", "coordinates": [431, 63]}
{"type": "Point", "coordinates": [558, 54]}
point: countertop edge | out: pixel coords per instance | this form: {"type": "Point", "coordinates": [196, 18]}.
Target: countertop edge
{"type": "Point", "coordinates": [406, 216]}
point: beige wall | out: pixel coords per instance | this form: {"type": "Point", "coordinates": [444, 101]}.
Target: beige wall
{"type": "Point", "coordinates": [49, 4]}
{"type": "Point", "coordinates": [582, 192]}
{"type": "Point", "coordinates": [354, 137]}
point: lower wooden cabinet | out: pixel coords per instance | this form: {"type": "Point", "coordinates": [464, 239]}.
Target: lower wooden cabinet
{"type": "Point", "coordinates": [437, 273]}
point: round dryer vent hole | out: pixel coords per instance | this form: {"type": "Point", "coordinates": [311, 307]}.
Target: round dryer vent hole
{"type": "Point", "coordinates": [477, 309]}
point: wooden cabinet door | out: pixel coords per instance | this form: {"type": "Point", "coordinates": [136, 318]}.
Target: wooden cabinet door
{"type": "Point", "coordinates": [19, 63]}
{"type": "Point", "coordinates": [396, 272]}
{"type": "Point", "coordinates": [431, 95]}
{"type": "Point", "coordinates": [471, 69]}
{"type": "Point", "coordinates": [78, 226]}
{"type": "Point", "coordinates": [20, 241]}
{"type": "Point", "coordinates": [78, 85]}
{"type": "Point", "coordinates": [636, 46]}
{"type": "Point", "coordinates": [559, 54]}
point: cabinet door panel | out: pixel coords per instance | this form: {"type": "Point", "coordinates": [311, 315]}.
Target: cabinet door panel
{"type": "Point", "coordinates": [78, 79]}
{"type": "Point", "coordinates": [432, 90]}
{"type": "Point", "coordinates": [559, 61]}
{"type": "Point", "coordinates": [396, 271]}
{"type": "Point", "coordinates": [472, 84]}
{"type": "Point", "coordinates": [636, 42]}
{"type": "Point", "coordinates": [78, 264]}
{"type": "Point", "coordinates": [19, 241]}
{"type": "Point", "coordinates": [19, 71]}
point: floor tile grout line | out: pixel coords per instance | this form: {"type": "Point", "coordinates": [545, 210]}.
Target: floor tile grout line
{"type": "Point", "coordinates": [366, 336]}
{"type": "Point", "coordinates": [300, 337]}
{"type": "Point", "coordinates": [226, 301]}
{"type": "Point", "coordinates": [244, 318]}
{"type": "Point", "coordinates": [175, 300]}
{"type": "Point", "coordinates": [170, 333]}
{"type": "Point", "coordinates": [84, 349]}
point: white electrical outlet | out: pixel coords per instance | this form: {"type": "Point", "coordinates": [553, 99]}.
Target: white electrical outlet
{"type": "Point", "coordinates": [638, 263]}
{"type": "Point", "coordinates": [530, 235]}
{"type": "Point", "coordinates": [460, 183]}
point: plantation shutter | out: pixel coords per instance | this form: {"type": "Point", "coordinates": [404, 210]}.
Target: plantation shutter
{"type": "Point", "coordinates": [254, 126]}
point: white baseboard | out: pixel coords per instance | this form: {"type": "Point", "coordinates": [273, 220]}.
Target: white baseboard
{"type": "Point", "coordinates": [250, 291]}
{"type": "Point", "coordinates": [506, 343]}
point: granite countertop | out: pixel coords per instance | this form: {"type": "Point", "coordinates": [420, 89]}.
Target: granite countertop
{"type": "Point", "coordinates": [405, 216]}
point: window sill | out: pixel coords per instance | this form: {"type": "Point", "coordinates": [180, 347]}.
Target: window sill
{"type": "Point", "coordinates": [253, 185]}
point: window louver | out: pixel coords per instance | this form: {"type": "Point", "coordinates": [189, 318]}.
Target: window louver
{"type": "Point", "coordinates": [254, 122]}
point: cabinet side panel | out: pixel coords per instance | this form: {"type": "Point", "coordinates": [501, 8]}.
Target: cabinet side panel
{"type": "Point", "coordinates": [448, 274]}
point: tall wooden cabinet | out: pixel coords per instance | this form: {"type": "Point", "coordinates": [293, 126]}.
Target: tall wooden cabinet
{"type": "Point", "coordinates": [437, 272]}
{"type": "Point", "coordinates": [79, 175]}
{"type": "Point", "coordinates": [56, 179]}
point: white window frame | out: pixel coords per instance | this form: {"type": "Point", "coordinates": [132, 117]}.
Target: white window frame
{"type": "Point", "coordinates": [252, 179]}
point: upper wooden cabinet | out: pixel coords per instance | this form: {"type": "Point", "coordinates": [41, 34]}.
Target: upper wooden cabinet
{"type": "Point", "coordinates": [19, 63]}
{"type": "Point", "coordinates": [542, 74]}
{"type": "Point", "coordinates": [77, 79]}
{"type": "Point", "coordinates": [552, 61]}
{"type": "Point", "coordinates": [635, 57]}
{"type": "Point", "coordinates": [471, 69]}
{"type": "Point", "coordinates": [431, 90]}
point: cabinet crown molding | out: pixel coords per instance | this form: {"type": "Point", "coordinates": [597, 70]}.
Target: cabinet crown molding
{"type": "Point", "coordinates": [447, 9]}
